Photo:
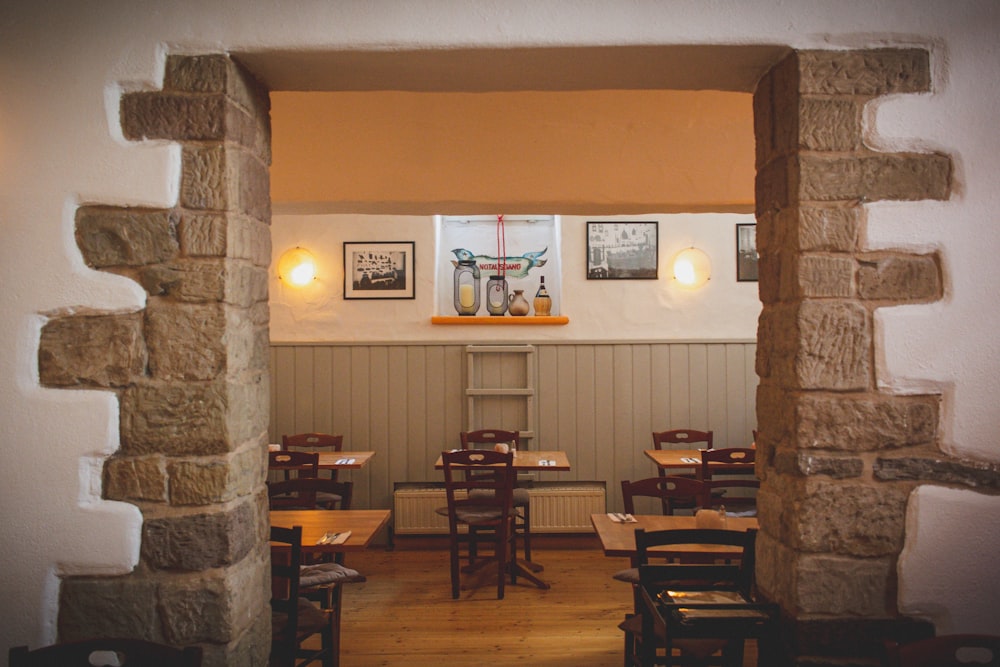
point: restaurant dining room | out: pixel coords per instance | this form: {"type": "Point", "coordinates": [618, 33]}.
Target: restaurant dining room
{"type": "Point", "coordinates": [379, 334]}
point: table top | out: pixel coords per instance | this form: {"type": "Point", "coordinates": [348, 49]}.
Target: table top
{"type": "Point", "coordinates": [679, 458]}
{"type": "Point", "coordinates": [675, 458]}
{"type": "Point", "coordinates": [525, 459]}
{"type": "Point", "coordinates": [344, 460]}
{"type": "Point", "coordinates": [363, 524]}
{"type": "Point", "coordinates": [618, 538]}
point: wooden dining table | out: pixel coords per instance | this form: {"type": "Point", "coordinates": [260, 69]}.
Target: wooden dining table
{"type": "Point", "coordinates": [618, 538]}
{"type": "Point", "coordinates": [533, 460]}
{"type": "Point", "coordinates": [363, 524]}
{"type": "Point", "coordinates": [678, 459]}
{"type": "Point", "coordinates": [344, 460]}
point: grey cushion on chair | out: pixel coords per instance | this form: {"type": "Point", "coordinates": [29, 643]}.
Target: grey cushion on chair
{"type": "Point", "coordinates": [629, 575]}
{"type": "Point", "coordinates": [328, 573]}
{"type": "Point", "coordinates": [472, 514]}
{"type": "Point", "coordinates": [520, 496]}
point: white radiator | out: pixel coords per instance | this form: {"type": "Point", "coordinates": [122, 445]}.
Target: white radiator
{"type": "Point", "coordinates": [560, 508]}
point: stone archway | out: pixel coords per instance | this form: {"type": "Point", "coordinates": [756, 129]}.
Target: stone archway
{"type": "Point", "coordinates": [838, 457]}
{"type": "Point", "coordinates": [835, 449]}
{"type": "Point", "coordinates": [190, 371]}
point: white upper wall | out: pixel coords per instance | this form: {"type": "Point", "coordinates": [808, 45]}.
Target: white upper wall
{"type": "Point", "coordinates": [613, 310]}
{"type": "Point", "coordinates": [63, 66]}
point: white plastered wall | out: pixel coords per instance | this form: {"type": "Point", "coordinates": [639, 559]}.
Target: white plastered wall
{"type": "Point", "coordinates": [61, 68]}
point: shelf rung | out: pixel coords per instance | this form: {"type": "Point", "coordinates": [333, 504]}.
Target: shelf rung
{"type": "Point", "coordinates": [499, 392]}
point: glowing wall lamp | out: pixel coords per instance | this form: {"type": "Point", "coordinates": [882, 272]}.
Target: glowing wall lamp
{"type": "Point", "coordinates": [692, 268]}
{"type": "Point", "coordinates": [297, 267]}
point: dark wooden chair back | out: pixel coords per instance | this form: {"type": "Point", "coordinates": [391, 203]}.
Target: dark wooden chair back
{"type": "Point", "coordinates": [959, 650]}
{"type": "Point", "coordinates": [311, 442]}
{"type": "Point", "coordinates": [681, 438]}
{"type": "Point", "coordinates": [738, 576]}
{"type": "Point", "coordinates": [107, 651]}
{"type": "Point", "coordinates": [665, 489]}
{"type": "Point", "coordinates": [303, 464]}
{"type": "Point", "coordinates": [688, 438]}
{"type": "Point", "coordinates": [479, 502]}
{"type": "Point", "coordinates": [735, 495]}
{"type": "Point", "coordinates": [488, 438]}
{"type": "Point", "coordinates": [728, 461]}
{"type": "Point", "coordinates": [307, 493]}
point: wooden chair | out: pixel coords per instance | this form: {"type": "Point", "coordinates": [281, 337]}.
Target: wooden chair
{"type": "Point", "coordinates": [687, 439]}
{"type": "Point", "coordinates": [728, 461]}
{"type": "Point", "coordinates": [303, 464]}
{"type": "Point", "coordinates": [295, 464]}
{"type": "Point", "coordinates": [294, 618]}
{"type": "Point", "coordinates": [961, 650]}
{"type": "Point", "coordinates": [660, 488]}
{"type": "Point", "coordinates": [488, 516]}
{"type": "Point", "coordinates": [311, 442]}
{"type": "Point", "coordinates": [737, 496]}
{"type": "Point", "coordinates": [488, 439]}
{"type": "Point", "coordinates": [667, 489]}
{"type": "Point", "coordinates": [711, 609]}
{"type": "Point", "coordinates": [106, 652]}
{"type": "Point", "coordinates": [307, 493]}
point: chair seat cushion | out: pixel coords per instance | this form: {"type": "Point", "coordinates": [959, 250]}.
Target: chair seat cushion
{"type": "Point", "coordinates": [521, 497]}
{"type": "Point", "coordinates": [473, 514]}
{"type": "Point", "coordinates": [322, 574]}
{"type": "Point", "coordinates": [629, 575]}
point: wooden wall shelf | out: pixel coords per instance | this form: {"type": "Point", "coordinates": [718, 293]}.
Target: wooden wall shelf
{"type": "Point", "coordinates": [504, 320]}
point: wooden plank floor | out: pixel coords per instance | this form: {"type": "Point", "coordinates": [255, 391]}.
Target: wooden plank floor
{"type": "Point", "coordinates": [404, 613]}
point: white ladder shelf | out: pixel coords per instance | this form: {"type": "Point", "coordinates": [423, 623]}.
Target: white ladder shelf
{"type": "Point", "coordinates": [477, 388]}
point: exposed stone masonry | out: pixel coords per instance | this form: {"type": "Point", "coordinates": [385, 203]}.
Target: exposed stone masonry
{"type": "Point", "coordinates": [190, 370]}
{"type": "Point", "coordinates": [837, 456]}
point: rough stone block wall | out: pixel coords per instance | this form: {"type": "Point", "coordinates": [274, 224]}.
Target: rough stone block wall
{"type": "Point", "coordinates": [838, 457]}
{"type": "Point", "coordinates": [190, 370]}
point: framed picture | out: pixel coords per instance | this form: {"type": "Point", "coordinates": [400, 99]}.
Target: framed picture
{"type": "Point", "coordinates": [746, 253]}
{"type": "Point", "coordinates": [379, 270]}
{"type": "Point", "coordinates": [622, 250]}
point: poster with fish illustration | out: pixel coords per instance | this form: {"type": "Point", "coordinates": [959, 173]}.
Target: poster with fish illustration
{"type": "Point", "coordinates": [524, 249]}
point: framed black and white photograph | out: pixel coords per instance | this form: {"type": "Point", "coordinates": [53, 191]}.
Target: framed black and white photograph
{"type": "Point", "coordinates": [379, 270]}
{"type": "Point", "coordinates": [622, 250]}
{"type": "Point", "coordinates": [746, 253]}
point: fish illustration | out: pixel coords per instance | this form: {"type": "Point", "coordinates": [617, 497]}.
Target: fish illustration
{"type": "Point", "coordinates": [514, 267]}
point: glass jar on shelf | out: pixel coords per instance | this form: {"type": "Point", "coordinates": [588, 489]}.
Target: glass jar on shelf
{"type": "Point", "coordinates": [496, 295]}
{"type": "Point", "coordinates": [466, 287]}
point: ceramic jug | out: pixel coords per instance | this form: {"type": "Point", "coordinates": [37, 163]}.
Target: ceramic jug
{"type": "Point", "coordinates": [518, 304]}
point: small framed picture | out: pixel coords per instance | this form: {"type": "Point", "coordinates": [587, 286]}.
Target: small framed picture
{"type": "Point", "coordinates": [622, 251]}
{"type": "Point", "coordinates": [379, 270]}
{"type": "Point", "coordinates": [746, 253]}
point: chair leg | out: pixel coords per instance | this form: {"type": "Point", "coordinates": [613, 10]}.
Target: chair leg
{"type": "Point", "coordinates": [732, 653]}
{"type": "Point", "coordinates": [526, 522]}
{"type": "Point", "coordinates": [329, 647]}
{"type": "Point", "coordinates": [336, 606]}
{"type": "Point", "coordinates": [454, 568]}
{"type": "Point", "coordinates": [502, 560]}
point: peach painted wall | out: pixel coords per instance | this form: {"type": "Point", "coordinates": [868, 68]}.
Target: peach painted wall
{"type": "Point", "coordinates": [606, 151]}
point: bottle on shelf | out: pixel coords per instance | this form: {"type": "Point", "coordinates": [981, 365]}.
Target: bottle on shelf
{"type": "Point", "coordinates": [543, 302]}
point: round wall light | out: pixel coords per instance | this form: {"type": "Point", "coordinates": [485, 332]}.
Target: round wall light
{"type": "Point", "coordinates": [297, 267]}
{"type": "Point", "coordinates": [692, 268]}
